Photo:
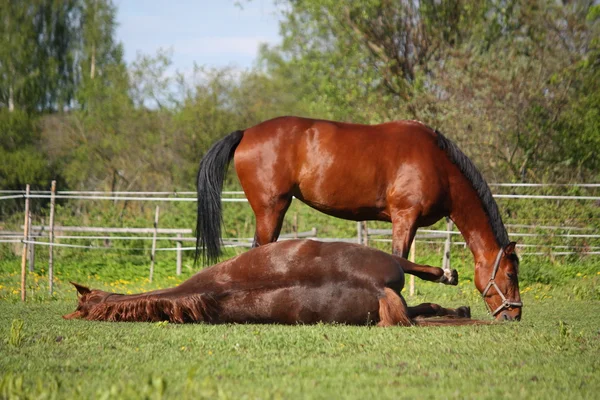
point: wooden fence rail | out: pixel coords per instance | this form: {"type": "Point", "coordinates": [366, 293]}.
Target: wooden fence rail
{"type": "Point", "coordinates": [32, 235]}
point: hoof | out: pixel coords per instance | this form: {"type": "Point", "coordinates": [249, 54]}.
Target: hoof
{"type": "Point", "coordinates": [450, 277]}
{"type": "Point", "coordinates": [453, 278]}
{"type": "Point", "coordinates": [464, 312]}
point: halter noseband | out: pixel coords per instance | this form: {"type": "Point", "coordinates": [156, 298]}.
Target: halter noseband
{"type": "Point", "coordinates": [492, 283]}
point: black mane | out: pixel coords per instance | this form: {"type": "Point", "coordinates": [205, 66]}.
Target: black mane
{"type": "Point", "coordinates": [481, 187]}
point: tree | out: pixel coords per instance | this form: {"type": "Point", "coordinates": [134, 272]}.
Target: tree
{"type": "Point", "coordinates": [36, 46]}
{"type": "Point", "coordinates": [495, 75]}
{"type": "Point", "coordinates": [578, 129]}
{"type": "Point", "coordinates": [101, 71]}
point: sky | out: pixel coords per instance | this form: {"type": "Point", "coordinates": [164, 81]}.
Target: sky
{"type": "Point", "coordinates": [214, 33]}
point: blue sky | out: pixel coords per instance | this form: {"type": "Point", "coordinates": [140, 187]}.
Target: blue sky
{"type": "Point", "coordinates": [213, 33]}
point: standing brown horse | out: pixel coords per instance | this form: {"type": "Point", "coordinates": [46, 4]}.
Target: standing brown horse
{"type": "Point", "coordinates": [290, 282]}
{"type": "Point", "coordinates": [403, 172]}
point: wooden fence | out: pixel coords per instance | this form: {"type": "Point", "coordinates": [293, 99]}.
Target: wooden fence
{"type": "Point", "coordinates": [33, 235]}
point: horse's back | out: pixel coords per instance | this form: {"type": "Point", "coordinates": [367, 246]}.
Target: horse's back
{"type": "Point", "coordinates": [309, 262]}
{"type": "Point", "coordinates": [350, 171]}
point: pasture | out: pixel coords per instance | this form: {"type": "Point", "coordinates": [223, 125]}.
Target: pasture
{"type": "Point", "coordinates": [515, 85]}
{"type": "Point", "coordinates": [554, 352]}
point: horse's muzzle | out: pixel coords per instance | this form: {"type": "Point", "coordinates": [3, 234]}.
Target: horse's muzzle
{"type": "Point", "coordinates": [511, 314]}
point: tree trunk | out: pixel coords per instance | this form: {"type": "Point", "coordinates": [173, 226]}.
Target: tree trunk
{"type": "Point", "coordinates": [93, 60]}
{"type": "Point", "coordinates": [93, 66]}
{"type": "Point", "coordinates": [11, 100]}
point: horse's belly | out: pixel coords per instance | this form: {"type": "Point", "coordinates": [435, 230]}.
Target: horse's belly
{"type": "Point", "coordinates": [354, 211]}
{"type": "Point", "coordinates": [344, 197]}
{"type": "Point", "coordinates": [302, 305]}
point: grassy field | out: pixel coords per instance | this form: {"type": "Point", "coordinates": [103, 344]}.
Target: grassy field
{"type": "Point", "coordinates": [553, 353]}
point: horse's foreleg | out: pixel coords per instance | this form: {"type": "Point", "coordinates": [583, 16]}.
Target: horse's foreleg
{"type": "Point", "coordinates": [269, 219]}
{"type": "Point", "coordinates": [404, 227]}
{"type": "Point", "coordinates": [428, 273]}
{"type": "Point", "coordinates": [435, 310]}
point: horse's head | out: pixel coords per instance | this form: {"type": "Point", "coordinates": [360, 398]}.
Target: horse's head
{"type": "Point", "coordinates": [87, 299]}
{"type": "Point", "coordinates": [498, 283]}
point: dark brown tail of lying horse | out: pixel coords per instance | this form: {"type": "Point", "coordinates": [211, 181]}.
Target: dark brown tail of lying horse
{"type": "Point", "coordinates": [211, 175]}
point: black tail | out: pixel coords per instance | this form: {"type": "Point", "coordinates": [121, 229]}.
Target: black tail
{"type": "Point", "coordinates": [210, 184]}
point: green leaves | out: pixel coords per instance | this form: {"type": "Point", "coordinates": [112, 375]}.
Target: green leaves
{"type": "Point", "coordinates": [515, 83]}
{"type": "Point", "coordinates": [15, 338]}
{"type": "Point", "coordinates": [496, 75]}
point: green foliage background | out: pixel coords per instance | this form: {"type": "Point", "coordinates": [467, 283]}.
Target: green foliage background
{"type": "Point", "coordinates": [513, 82]}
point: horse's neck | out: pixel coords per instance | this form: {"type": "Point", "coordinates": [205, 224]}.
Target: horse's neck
{"type": "Point", "coordinates": [474, 224]}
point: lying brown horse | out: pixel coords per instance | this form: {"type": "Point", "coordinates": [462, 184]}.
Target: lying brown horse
{"type": "Point", "coordinates": [290, 282]}
{"type": "Point", "coordinates": [403, 172]}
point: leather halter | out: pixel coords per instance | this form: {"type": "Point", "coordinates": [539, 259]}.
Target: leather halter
{"type": "Point", "coordinates": [492, 283]}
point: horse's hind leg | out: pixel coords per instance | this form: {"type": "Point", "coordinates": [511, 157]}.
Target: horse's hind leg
{"type": "Point", "coordinates": [432, 274]}
{"type": "Point", "coordinates": [404, 228]}
{"type": "Point", "coordinates": [435, 310]}
{"type": "Point", "coordinates": [269, 219]}
{"type": "Point", "coordinates": [393, 310]}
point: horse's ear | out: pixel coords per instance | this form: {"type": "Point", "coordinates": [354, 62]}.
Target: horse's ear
{"type": "Point", "coordinates": [510, 248]}
{"type": "Point", "coordinates": [81, 289]}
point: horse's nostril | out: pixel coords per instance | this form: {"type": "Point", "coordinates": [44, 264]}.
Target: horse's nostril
{"type": "Point", "coordinates": [505, 317]}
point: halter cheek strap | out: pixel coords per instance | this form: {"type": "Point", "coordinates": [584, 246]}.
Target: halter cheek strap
{"type": "Point", "coordinates": [492, 283]}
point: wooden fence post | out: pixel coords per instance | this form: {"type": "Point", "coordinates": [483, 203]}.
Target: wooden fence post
{"type": "Point", "coordinates": [447, 244]}
{"type": "Point", "coordinates": [24, 253]}
{"type": "Point", "coordinates": [153, 254]}
{"type": "Point", "coordinates": [31, 238]}
{"type": "Point", "coordinates": [411, 288]}
{"type": "Point", "coordinates": [295, 226]}
{"type": "Point", "coordinates": [178, 243]}
{"type": "Point", "coordinates": [51, 239]}
{"type": "Point", "coordinates": [359, 232]}
{"type": "Point", "coordinates": [365, 235]}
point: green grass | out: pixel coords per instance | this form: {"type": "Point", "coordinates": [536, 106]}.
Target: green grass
{"type": "Point", "coordinates": [553, 353]}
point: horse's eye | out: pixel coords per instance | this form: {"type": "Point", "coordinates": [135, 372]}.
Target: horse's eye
{"type": "Point", "coordinates": [510, 275]}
